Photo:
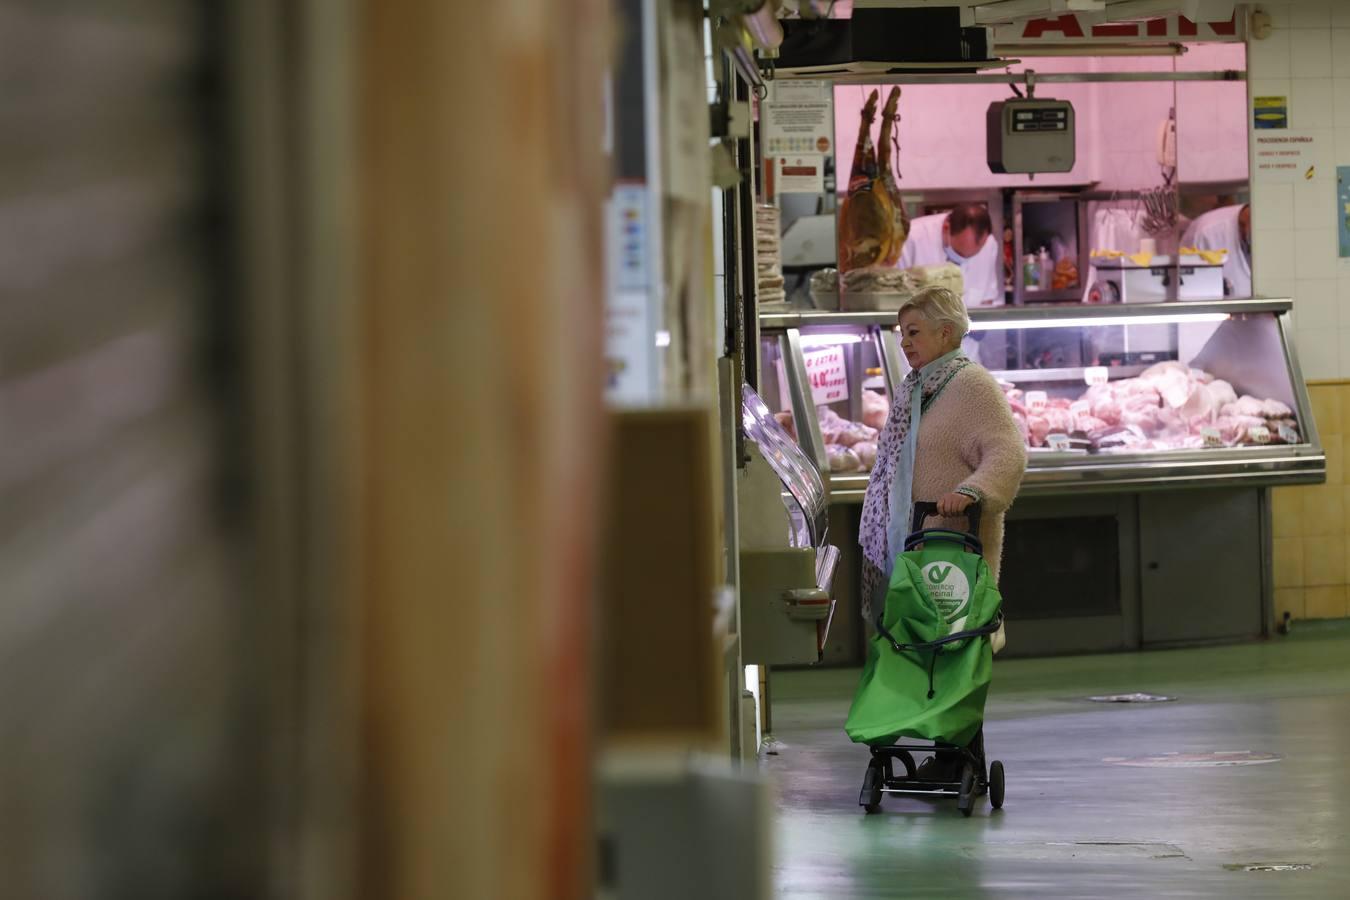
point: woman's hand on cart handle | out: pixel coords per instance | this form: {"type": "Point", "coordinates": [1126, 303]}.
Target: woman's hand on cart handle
{"type": "Point", "coordinates": [950, 505]}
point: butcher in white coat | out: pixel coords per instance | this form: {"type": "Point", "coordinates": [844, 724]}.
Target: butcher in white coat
{"type": "Point", "coordinates": [964, 237]}
{"type": "Point", "coordinates": [1227, 228]}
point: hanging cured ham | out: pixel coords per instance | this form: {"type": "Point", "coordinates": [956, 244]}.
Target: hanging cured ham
{"type": "Point", "coordinates": [867, 215]}
{"type": "Point", "coordinates": [872, 221]}
{"type": "Point", "coordinates": [888, 162]}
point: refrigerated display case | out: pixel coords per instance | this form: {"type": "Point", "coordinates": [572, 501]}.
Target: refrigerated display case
{"type": "Point", "coordinates": [1111, 398]}
{"type": "Point", "coordinates": [787, 565]}
{"type": "Point", "coordinates": [1122, 406]}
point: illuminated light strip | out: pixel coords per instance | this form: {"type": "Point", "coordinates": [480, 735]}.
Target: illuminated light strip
{"type": "Point", "coordinates": [1090, 321]}
{"type": "Point", "coordinates": [810, 341]}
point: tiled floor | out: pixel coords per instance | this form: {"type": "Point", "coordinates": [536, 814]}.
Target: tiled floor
{"type": "Point", "coordinates": [1074, 825]}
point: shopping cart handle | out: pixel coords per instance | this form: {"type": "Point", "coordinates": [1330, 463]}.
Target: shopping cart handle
{"type": "Point", "coordinates": [926, 509]}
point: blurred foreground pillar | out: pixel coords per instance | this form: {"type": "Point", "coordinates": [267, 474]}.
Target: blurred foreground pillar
{"type": "Point", "coordinates": [482, 179]}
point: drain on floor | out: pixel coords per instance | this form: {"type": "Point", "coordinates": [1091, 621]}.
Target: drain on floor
{"type": "Point", "coordinates": [1270, 867]}
{"type": "Point", "coordinates": [1131, 698]}
{"type": "Point", "coordinates": [1196, 760]}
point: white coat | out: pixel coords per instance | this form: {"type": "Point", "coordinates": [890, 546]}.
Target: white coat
{"type": "Point", "coordinates": [982, 274]}
{"type": "Point", "coordinates": [1218, 230]}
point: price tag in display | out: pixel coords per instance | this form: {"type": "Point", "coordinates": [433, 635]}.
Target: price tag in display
{"type": "Point", "coordinates": [1037, 400]}
{"type": "Point", "coordinates": [828, 375]}
{"type": "Point", "coordinates": [1288, 435]}
{"type": "Point", "coordinates": [1096, 375]}
{"type": "Point", "coordinates": [1258, 434]}
{"type": "Point", "coordinates": [1057, 442]}
{"type": "Point", "coordinates": [1080, 408]}
{"type": "Point", "coordinates": [1211, 437]}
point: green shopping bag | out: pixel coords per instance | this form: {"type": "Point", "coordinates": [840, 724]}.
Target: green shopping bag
{"type": "Point", "coordinates": [929, 665]}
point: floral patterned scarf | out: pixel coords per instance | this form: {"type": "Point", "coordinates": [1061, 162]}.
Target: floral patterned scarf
{"type": "Point", "coordinates": [895, 458]}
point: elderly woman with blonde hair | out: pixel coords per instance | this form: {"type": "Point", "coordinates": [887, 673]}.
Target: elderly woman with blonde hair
{"type": "Point", "coordinates": [950, 438]}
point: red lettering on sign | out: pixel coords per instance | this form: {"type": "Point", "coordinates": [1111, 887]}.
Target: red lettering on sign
{"type": "Point", "coordinates": [1157, 28]}
{"type": "Point", "coordinates": [1128, 29]}
{"type": "Point", "coordinates": [1066, 25]}
{"type": "Point", "coordinates": [1187, 28]}
{"type": "Point", "coordinates": [1226, 28]}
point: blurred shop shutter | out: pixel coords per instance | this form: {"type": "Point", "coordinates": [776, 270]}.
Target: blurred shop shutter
{"type": "Point", "coordinates": [124, 770]}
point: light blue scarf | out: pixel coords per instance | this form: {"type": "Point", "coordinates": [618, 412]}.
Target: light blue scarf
{"type": "Point", "coordinates": [902, 482]}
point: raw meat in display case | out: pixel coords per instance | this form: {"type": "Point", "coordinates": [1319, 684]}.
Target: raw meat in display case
{"type": "Point", "coordinates": [1169, 406]}
{"type": "Point", "coordinates": [850, 446]}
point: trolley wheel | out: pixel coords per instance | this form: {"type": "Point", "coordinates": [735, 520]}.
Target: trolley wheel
{"type": "Point", "coordinates": [965, 801]}
{"type": "Point", "coordinates": [996, 784]}
{"type": "Point", "coordinates": [908, 761]}
{"type": "Point", "coordinates": [870, 798]}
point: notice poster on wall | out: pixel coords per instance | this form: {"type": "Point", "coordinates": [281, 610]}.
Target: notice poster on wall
{"type": "Point", "coordinates": [1270, 112]}
{"type": "Point", "coordinates": [803, 174]}
{"type": "Point", "coordinates": [1284, 157]}
{"type": "Point", "coordinates": [798, 118]}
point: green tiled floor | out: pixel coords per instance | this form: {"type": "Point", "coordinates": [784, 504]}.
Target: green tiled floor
{"type": "Point", "coordinates": [1073, 825]}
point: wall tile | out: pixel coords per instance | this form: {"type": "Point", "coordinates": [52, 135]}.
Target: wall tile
{"type": "Point", "coordinates": [1270, 58]}
{"type": "Point", "coordinates": [1276, 287]}
{"type": "Point", "coordinates": [1326, 404]}
{"type": "Point", "coordinates": [1323, 562]}
{"type": "Point", "coordinates": [1289, 600]}
{"type": "Point", "coordinates": [1334, 445]}
{"type": "Point", "coordinates": [1310, 53]}
{"type": "Point", "coordinates": [1313, 104]}
{"type": "Point", "coordinates": [1288, 555]}
{"type": "Point", "coordinates": [1310, 14]}
{"type": "Point", "coordinates": [1314, 206]}
{"type": "Point", "coordinates": [1286, 512]}
{"type": "Point", "coordinates": [1347, 549]}
{"type": "Point", "coordinates": [1324, 513]}
{"type": "Point", "coordinates": [1344, 392]}
{"type": "Point", "coordinates": [1273, 204]}
{"type": "Point", "coordinates": [1344, 342]}
{"type": "Point", "coordinates": [1325, 602]}
{"type": "Point", "coordinates": [1318, 304]}
{"type": "Point", "coordinates": [1319, 353]}
{"type": "Point", "coordinates": [1340, 88]}
{"type": "Point", "coordinates": [1340, 15]}
{"type": "Point", "coordinates": [1315, 254]}
{"type": "Point", "coordinates": [1340, 53]}
{"type": "Point", "coordinates": [1343, 142]}
{"type": "Point", "coordinates": [1286, 516]}
{"type": "Point", "coordinates": [1273, 253]}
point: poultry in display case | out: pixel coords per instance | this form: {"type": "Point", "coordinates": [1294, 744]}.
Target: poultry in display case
{"type": "Point", "coordinates": [845, 372]}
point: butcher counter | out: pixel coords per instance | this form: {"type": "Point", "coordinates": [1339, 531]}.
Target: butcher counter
{"type": "Point", "coordinates": [1155, 433]}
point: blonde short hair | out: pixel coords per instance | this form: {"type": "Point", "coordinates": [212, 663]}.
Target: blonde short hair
{"type": "Point", "coordinates": [941, 306]}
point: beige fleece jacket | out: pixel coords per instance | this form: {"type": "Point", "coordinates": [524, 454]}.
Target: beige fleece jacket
{"type": "Point", "coordinates": [967, 439]}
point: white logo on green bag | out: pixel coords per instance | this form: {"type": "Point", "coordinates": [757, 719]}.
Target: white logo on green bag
{"type": "Point", "coordinates": [949, 589]}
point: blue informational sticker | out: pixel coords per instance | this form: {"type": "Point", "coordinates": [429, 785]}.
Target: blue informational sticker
{"type": "Point", "coordinates": [1343, 208]}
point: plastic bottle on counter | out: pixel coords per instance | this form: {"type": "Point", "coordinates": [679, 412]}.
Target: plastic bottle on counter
{"type": "Point", "coordinates": [1031, 273]}
{"type": "Point", "coordinates": [1047, 267]}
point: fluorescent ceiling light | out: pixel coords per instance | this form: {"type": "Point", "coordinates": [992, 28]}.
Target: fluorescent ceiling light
{"type": "Point", "coordinates": [830, 340]}
{"type": "Point", "coordinates": [1091, 321]}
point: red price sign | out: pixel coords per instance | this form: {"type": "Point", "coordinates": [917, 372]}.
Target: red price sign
{"type": "Point", "coordinates": [828, 375]}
